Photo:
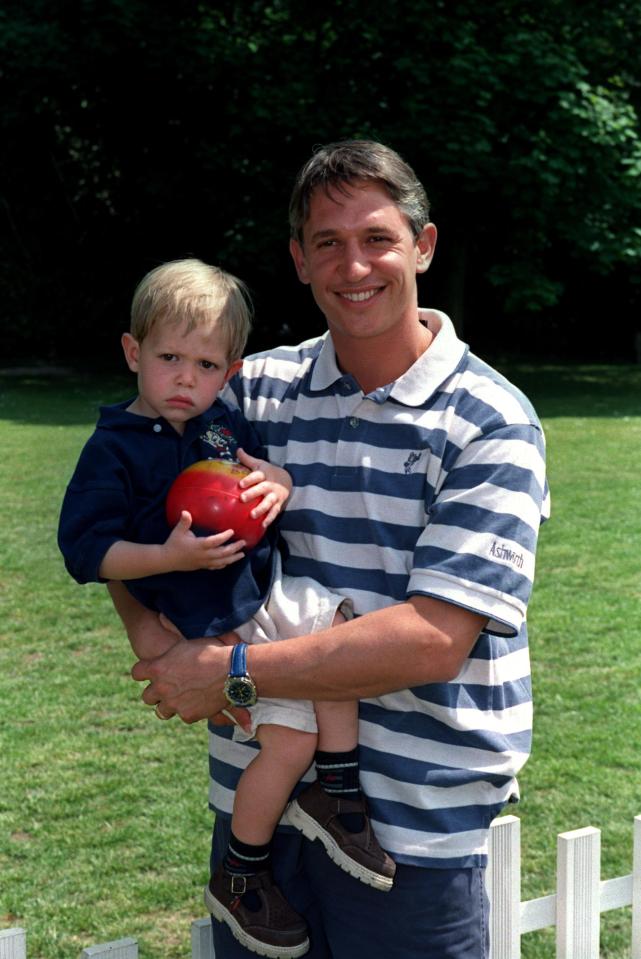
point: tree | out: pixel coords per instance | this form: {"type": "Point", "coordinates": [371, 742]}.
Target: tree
{"type": "Point", "coordinates": [136, 131]}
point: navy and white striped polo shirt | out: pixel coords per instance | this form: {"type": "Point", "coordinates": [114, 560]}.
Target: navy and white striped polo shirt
{"type": "Point", "coordinates": [433, 485]}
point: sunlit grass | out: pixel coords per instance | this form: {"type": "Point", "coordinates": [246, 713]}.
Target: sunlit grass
{"type": "Point", "coordinates": [584, 623]}
{"type": "Point", "coordinates": [104, 828]}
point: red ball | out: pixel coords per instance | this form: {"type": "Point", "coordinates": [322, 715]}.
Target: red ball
{"type": "Point", "coordinates": [209, 490]}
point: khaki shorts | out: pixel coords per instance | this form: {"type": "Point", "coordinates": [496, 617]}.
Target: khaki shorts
{"type": "Point", "coordinates": [296, 606]}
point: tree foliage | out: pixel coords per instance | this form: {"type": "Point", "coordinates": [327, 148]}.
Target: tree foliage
{"type": "Point", "coordinates": [135, 132]}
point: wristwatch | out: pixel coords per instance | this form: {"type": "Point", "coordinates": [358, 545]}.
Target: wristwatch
{"type": "Point", "coordinates": [240, 688]}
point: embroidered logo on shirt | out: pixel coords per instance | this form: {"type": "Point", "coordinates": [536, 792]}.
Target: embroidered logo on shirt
{"type": "Point", "coordinates": [504, 552]}
{"type": "Point", "coordinates": [411, 460]}
{"type": "Point", "coordinates": [222, 441]}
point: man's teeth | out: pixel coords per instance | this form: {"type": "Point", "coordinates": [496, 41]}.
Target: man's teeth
{"type": "Point", "coordinates": [359, 297]}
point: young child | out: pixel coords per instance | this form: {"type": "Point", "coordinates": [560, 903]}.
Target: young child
{"type": "Point", "coordinates": [189, 327]}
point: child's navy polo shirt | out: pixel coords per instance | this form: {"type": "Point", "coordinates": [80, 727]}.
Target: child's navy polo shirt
{"type": "Point", "coordinates": [118, 492]}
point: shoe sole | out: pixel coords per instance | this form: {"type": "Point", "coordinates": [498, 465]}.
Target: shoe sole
{"type": "Point", "coordinates": [312, 830]}
{"type": "Point", "coordinates": [222, 914]}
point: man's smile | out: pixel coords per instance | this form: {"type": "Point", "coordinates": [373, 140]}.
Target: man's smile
{"type": "Point", "coordinates": [359, 296]}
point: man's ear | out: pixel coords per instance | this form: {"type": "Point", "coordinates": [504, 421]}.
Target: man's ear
{"type": "Point", "coordinates": [425, 246]}
{"type": "Point", "coordinates": [232, 370]}
{"type": "Point", "coordinates": [131, 349]}
{"type": "Point", "coordinates": [300, 260]}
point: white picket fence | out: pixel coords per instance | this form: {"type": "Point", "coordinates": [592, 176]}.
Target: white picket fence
{"type": "Point", "coordinates": [574, 909]}
{"type": "Point", "coordinates": [581, 896]}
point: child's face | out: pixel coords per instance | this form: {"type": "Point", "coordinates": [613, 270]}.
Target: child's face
{"type": "Point", "coordinates": [179, 375]}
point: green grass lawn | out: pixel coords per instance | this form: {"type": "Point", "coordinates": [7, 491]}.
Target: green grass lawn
{"type": "Point", "coordinates": [104, 826]}
{"type": "Point", "coordinates": [585, 623]}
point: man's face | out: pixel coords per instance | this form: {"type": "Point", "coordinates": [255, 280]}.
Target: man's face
{"type": "Point", "coordinates": [360, 258]}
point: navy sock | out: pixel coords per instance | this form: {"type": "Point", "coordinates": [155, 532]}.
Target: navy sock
{"type": "Point", "coordinates": [244, 859]}
{"type": "Point", "coordinates": [338, 776]}
{"type": "Point", "coordinates": [338, 773]}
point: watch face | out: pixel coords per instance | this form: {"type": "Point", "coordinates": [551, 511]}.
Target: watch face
{"type": "Point", "coordinates": [240, 691]}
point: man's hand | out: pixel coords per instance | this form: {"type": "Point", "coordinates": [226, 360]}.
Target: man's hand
{"type": "Point", "coordinates": [270, 482]}
{"type": "Point", "coordinates": [188, 680]}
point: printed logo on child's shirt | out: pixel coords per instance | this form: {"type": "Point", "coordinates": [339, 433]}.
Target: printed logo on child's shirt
{"type": "Point", "coordinates": [222, 441]}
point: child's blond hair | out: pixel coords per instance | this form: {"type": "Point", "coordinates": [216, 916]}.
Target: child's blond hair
{"type": "Point", "coordinates": [201, 296]}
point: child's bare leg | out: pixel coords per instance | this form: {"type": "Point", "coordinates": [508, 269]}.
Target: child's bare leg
{"type": "Point", "coordinates": [337, 726]}
{"type": "Point", "coordinates": [337, 753]}
{"type": "Point", "coordinates": [339, 721]}
{"type": "Point", "coordinates": [241, 891]}
{"type": "Point", "coordinates": [266, 784]}
{"type": "Point", "coordinates": [334, 809]}
{"type": "Point", "coordinates": [337, 750]}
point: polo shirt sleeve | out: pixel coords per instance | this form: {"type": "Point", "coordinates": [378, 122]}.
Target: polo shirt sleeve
{"type": "Point", "coordinates": [94, 512]}
{"type": "Point", "coordinates": [478, 547]}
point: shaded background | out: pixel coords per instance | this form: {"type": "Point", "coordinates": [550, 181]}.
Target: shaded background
{"type": "Point", "coordinates": [135, 132]}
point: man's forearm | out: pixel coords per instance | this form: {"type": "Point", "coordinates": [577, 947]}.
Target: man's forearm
{"type": "Point", "coordinates": [422, 641]}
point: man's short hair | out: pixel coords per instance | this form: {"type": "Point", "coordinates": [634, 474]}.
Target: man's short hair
{"type": "Point", "coordinates": [198, 295]}
{"type": "Point", "coordinates": [336, 166]}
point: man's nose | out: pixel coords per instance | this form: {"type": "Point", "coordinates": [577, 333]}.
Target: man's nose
{"type": "Point", "coordinates": [355, 263]}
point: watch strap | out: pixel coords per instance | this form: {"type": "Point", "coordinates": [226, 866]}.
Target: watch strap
{"type": "Point", "coordinates": [238, 665]}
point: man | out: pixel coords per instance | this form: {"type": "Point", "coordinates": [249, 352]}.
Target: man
{"type": "Point", "coordinates": [419, 487]}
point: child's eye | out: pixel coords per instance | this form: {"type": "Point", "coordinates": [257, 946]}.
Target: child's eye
{"type": "Point", "coordinates": [168, 357]}
{"type": "Point", "coordinates": [208, 365]}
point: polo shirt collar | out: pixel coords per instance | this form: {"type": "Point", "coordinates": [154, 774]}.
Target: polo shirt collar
{"type": "Point", "coordinates": [326, 371]}
{"type": "Point", "coordinates": [423, 378]}
{"type": "Point", "coordinates": [116, 416]}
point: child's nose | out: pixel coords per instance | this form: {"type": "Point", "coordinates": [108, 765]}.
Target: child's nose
{"type": "Point", "coordinates": [186, 374]}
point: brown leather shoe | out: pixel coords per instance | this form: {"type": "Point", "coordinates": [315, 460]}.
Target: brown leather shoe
{"type": "Point", "coordinates": [273, 930]}
{"type": "Point", "coordinates": [316, 814]}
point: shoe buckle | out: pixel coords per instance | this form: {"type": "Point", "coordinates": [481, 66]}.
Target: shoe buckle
{"type": "Point", "coordinates": [238, 885]}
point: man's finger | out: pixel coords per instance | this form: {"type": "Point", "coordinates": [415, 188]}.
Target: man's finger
{"type": "Point", "coordinates": [149, 696]}
{"type": "Point", "coordinates": [140, 670]}
{"type": "Point", "coordinates": [228, 639]}
{"type": "Point", "coordinates": [161, 714]}
{"type": "Point", "coordinates": [237, 715]}
{"type": "Point", "coordinates": [230, 715]}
